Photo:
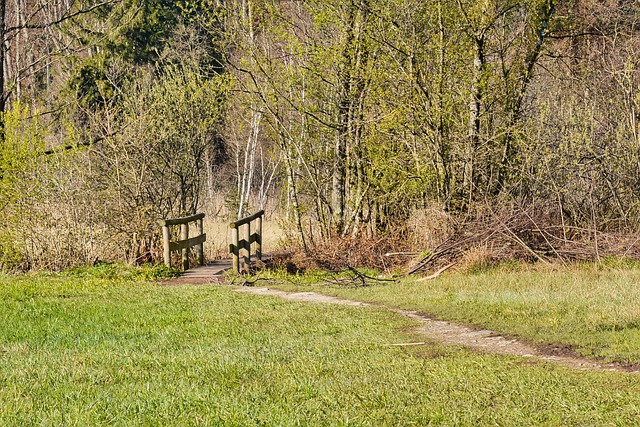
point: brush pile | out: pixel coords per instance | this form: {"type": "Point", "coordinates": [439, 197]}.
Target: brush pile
{"type": "Point", "coordinates": [432, 241]}
{"type": "Point", "coordinates": [345, 253]}
{"type": "Point", "coordinates": [524, 233]}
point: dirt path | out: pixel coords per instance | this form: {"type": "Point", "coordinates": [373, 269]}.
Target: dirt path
{"type": "Point", "coordinates": [451, 333]}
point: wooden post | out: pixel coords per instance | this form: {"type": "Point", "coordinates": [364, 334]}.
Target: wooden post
{"type": "Point", "coordinates": [259, 238]}
{"type": "Point", "coordinates": [235, 249]}
{"type": "Point", "coordinates": [166, 251]}
{"type": "Point", "coordinates": [200, 247]}
{"type": "Point", "coordinates": [247, 247]}
{"type": "Point", "coordinates": [244, 246]}
{"type": "Point", "coordinates": [184, 243]}
{"type": "Point", "coordinates": [184, 235]}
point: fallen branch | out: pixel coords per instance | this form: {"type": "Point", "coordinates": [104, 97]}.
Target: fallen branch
{"type": "Point", "coordinates": [406, 344]}
{"type": "Point", "coordinates": [388, 254]}
{"type": "Point", "coordinates": [437, 273]}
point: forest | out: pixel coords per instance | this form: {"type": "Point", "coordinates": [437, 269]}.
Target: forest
{"type": "Point", "coordinates": [407, 125]}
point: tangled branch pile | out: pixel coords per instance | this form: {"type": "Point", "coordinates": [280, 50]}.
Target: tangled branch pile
{"type": "Point", "coordinates": [526, 232]}
{"type": "Point", "coordinates": [341, 254]}
{"type": "Point", "coordinates": [529, 233]}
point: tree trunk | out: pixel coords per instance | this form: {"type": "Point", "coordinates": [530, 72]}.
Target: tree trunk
{"type": "Point", "coordinates": [350, 108]}
{"type": "Point", "coordinates": [442, 143]}
{"type": "Point", "coordinates": [3, 57]}
{"type": "Point", "coordinates": [293, 192]}
{"type": "Point", "coordinates": [475, 103]}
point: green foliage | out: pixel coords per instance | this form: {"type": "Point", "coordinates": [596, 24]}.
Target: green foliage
{"type": "Point", "coordinates": [122, 272]}
{"type": "Point", "coordinates": [135, 32]}
{"type": "Point", "coordinates": [372, 101]}
{"type": "Point", "coordinates": [91, 84]}
{"type": "Point", "coordinates": [172, 121]}
{"type": "Point", "coordinates": [155, 137]}
{"type": "Point", "coordinates": [143, 38]}
{"type": "Point", "coordinates": [125, 36]}
{"type": "Point", "coordinates": [21, 148]}
{"type": "Point", "coordinates": [11, 255]}
{"type": "Point", "coordinates": [21, 144]}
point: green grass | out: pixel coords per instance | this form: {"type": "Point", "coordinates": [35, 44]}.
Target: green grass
{"type": "Point", "coordinates": [593, 309]}
{"type": "Point", "coordinates": [84, 350]}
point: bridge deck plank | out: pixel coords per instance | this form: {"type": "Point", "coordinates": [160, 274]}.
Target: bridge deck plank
{"type": "Point", "coordinates": [208, 273]}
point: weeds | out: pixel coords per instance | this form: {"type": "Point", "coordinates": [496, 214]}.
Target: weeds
{"type": "Point", "coordinates": [103, 270]}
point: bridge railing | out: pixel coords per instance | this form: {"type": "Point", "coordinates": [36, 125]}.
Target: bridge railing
{"type": "Point", "coordinates": [241, 249]}
{"type": "Point", "coordinates": [185, 242]}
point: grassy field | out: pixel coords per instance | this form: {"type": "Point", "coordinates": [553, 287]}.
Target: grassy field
{"type": "Point", "coordinates": [594, 309]}
{"type": "Point", "coordinates": [81, 350]}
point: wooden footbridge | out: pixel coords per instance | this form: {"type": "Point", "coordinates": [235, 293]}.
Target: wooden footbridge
{"type": "Point", "coordinates": [244, 233]}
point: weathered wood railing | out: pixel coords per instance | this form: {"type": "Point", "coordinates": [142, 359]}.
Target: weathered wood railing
{"type": "Point", "coordinates": [185, 242]}
{"type": "Point", "coordinates": [242, 248]}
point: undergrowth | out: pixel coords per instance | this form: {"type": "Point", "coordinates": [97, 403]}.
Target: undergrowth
{"type": "Point", "coordinates": [122, 271]}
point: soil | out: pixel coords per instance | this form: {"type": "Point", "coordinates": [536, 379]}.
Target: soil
{"type": "Point", "coordinates": [450, 333]}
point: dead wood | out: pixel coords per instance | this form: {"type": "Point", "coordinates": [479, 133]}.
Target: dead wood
{"type": "Point", "coordinates": [437, 273]}
{"type": "Point", "coordinates": [528, 233]}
